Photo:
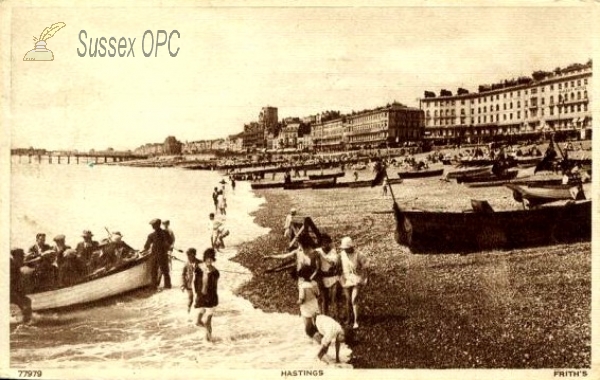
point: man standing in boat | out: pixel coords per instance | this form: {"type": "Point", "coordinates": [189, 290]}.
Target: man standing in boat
{"type": "Point", "coordinates": [86, 249]}
{"type": "Point", "coordinates": [60, 247]}
{"type": "Point", "coordinates": [158, 243]}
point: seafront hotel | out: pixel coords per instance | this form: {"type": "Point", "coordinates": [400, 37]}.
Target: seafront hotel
{"type": "Point", "coordinates": [521, 109]}
{"type": "Point", "coordinates": [518, 109]}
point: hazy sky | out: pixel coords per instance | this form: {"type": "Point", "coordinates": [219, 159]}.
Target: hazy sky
{"type": "Point", "coordinates": [233, 61]}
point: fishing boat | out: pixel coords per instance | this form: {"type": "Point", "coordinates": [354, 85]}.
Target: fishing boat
{"type": "Point", "coordinates": [422, 173]}
{"type": "Point", "coordinates": [528, 161]}
{"type": "Point", "coordinates": [536, 196]}
{"type": "Point", "coordinates": [469, 172]}
{"type": "Point", "coordinates": [488, 177]}
{"type": "Point", "coordinates": [132, 275]}
{"type": "Point", "coordinates": [308, 184]}
{"type": "Point", "coordinates": [482, 228]}
{"type": "Point", "coordinates": [326, 176]}
{"type": "Point", "coordinates": [472, 161]}
{"type": "Point", "coordinates": [325, 184]}
{"type": "Point", "coordinates": [450, 161]}
{"type": "Point", "coordinates": [266, 185]}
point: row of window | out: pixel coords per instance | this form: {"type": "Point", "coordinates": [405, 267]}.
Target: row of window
{"type": "Point", "coordinates": [499, 130]}
{"type": "Point", "coordinates": [451, 112]}
{"type": "Point", "coordinates": [484, 99]}
{"type": "Point", "coordinates": [573, 108]}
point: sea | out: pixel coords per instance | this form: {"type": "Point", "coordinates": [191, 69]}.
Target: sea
{"type": "Point", "coordinates": [146, 330]}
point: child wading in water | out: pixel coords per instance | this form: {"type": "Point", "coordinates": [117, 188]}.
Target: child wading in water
{"type": "Point", "coordinates": [187, 277]}
{"type": "Point", "coordinates": [205, 285]}
{"type": "Point", "coordinates": [308, 299]}
{"type": "Point", "coordinates": [328, 331]}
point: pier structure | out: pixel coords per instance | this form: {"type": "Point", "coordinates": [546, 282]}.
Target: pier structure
{"type": "Point", "coordinates": [76, 157]}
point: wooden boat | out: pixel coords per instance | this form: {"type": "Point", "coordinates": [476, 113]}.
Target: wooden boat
{"type": "Point", "coordinates": [483, 228]}
{"type": "Point", "coordinates": [528, 161]}
{"type": "Point", "coordinates": [325, 184]}
{"type": "Point", "coordinates": [266, 185]}
{"type": "Point", "coordinates": [450, 161]}
{"type": "Point", "coordinates": [532, 182]}
{"type": "Point", "coordinates": [369, 182]}
{"type": "Point", "coordinates": [536, 196]}
{"type": "Point", "coordinates": [470, 161]}
{"type": "Point", "coordinates": [421, 173]}
{"type": "Point", "coordinates": [308, 184]}
{"type": "Point", "coordinates": [469, 172]}
{"type": "Point", "coordinates": [326, 176]}
{"type": "Point", "coordinates": [132, 275]}
{"type": "Point", "coordinates": [488, 177]}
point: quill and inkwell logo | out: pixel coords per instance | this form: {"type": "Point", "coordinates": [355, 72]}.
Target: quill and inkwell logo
{"type": "Point", "coordinates": [41, 53]}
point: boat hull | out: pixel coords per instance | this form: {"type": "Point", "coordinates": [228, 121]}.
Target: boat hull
{"type": "Point", "coordinates": [308, 184]}
{"type": "Point", "coordinates": [266, 185]}
{"type": "Point", "coordinates": [132, 276]}
{"type": "Point", "coordinates": [488, 177]}
{"type": "Point", "coordinates": [539, 195]}
{"type": "Point", "coordinates": [326, 176]}
{"type": "Point", "coordinates": [469, 172]}
{"type": "Point", "coordinates": [456, 232]}
{"type": "Point", "coordinates": [421, 173]}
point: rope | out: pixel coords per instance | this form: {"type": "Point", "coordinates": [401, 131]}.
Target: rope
{"type": "Point", "coordinates": [220, 270]}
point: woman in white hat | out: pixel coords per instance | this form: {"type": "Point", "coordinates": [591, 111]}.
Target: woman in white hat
{"type": "Point", "coordinates": [353, 265]}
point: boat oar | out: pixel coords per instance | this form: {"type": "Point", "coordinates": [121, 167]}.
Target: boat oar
{"type": "Point", "coordinates": [109, 233]}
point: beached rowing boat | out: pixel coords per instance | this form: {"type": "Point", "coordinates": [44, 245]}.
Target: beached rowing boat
{"type": "Point", "coordinates": [308, 184]}
{"type": "Point", "coordinates": [266, 185]}
{"type": "Point", "coordinates": [536, 196]}
{"type": "Point", "coordinates": [132, 275]}
{"type": "Point", "coordinates": [326, 176]}
{"type": "Point", "coordinates": [420, 173]}
{"type": "Point", "coordinates": [485, 229]}
{"type": "Point", "coordinates": [471, 171]}
{"type": "Point", "coordinates": [488, 177]}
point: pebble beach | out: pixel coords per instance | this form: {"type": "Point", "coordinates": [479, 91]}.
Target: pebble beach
{"type": "Point", "coordinates": [525, 308]}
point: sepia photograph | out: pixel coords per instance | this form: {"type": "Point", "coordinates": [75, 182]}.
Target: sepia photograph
{"type": "Point", "coordinates": [260, 190]}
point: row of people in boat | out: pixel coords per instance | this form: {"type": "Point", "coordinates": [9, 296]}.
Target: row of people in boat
{"type": "Point", "coordinates": [48, 267]}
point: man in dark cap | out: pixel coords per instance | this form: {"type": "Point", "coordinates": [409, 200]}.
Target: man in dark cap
{"type": "Point", "coordinates": [38, 248]}
{"type": "Point", "coordinates": [40, 257]}
{"type": "Point", "coordinates": [17, 294]}
{"type": "Point", "coordinates": [86, 249]}
{"type": "Point", "coordinates": [158, 243]}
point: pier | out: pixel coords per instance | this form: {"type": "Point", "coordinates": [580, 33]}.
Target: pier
{"type": "Point", "coordinates": [74, 157]}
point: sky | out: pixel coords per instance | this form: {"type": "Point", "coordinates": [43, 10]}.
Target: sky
{"type": "Point", "coordinates": [233, 61]}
